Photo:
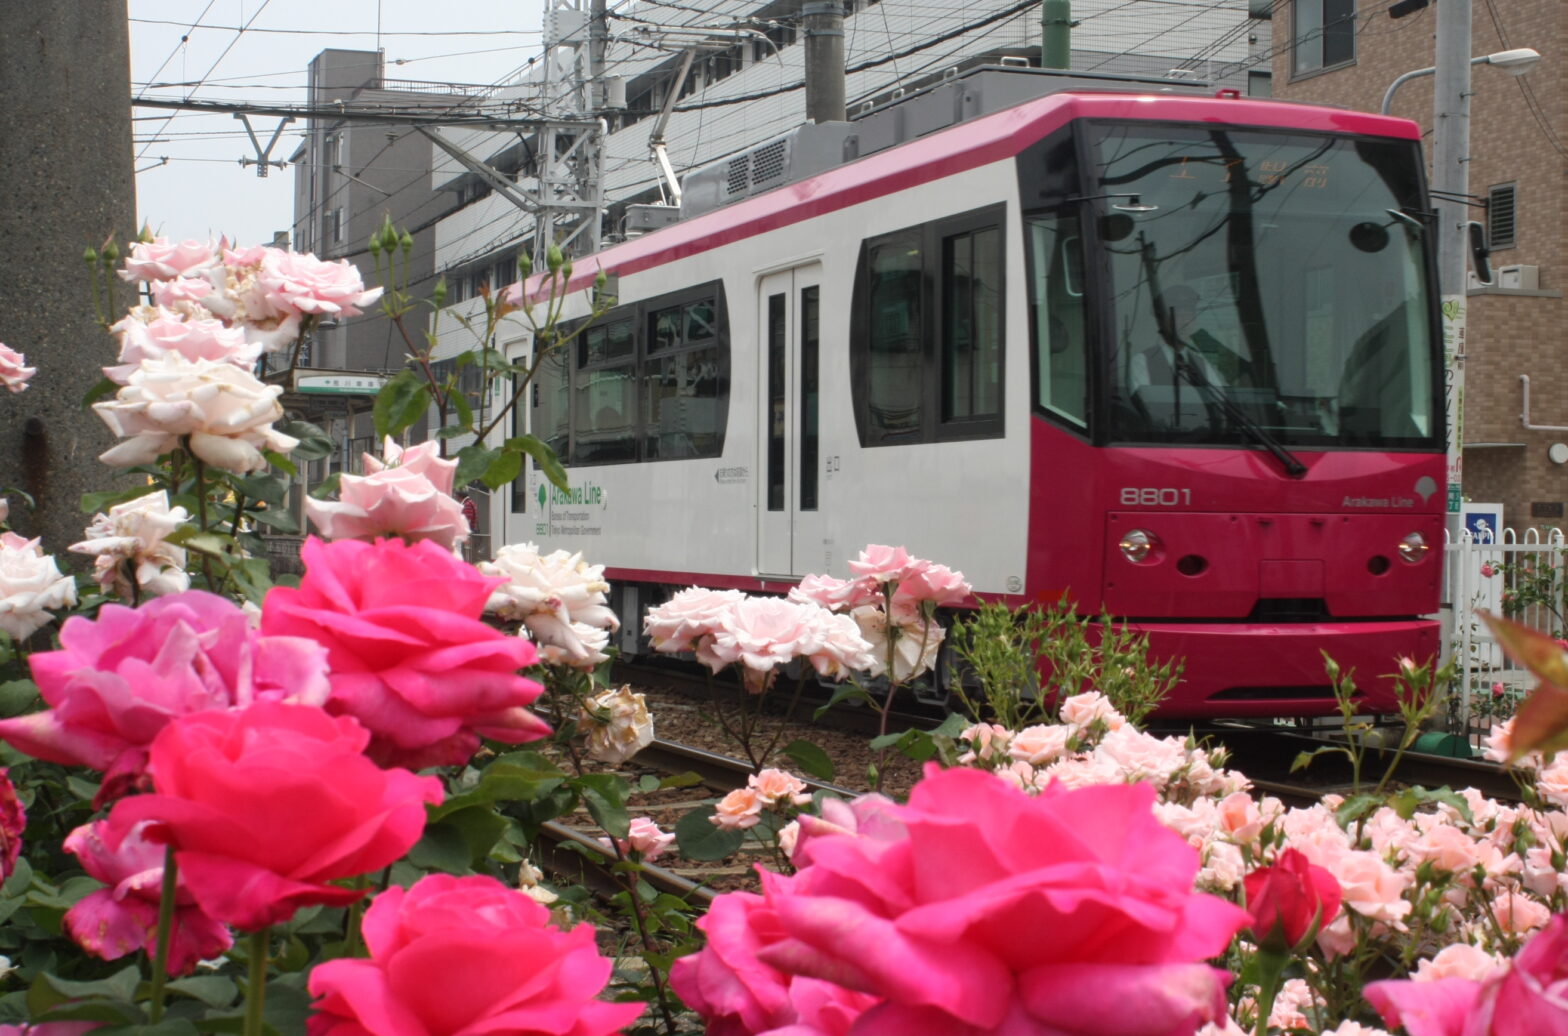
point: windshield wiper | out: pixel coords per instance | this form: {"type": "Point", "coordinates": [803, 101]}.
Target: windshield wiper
{"type": "Point", "coordinates": [1218, 397]}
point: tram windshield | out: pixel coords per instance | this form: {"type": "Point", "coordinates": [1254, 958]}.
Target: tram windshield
{"type": "Point", "coordinates": [1264, 288]}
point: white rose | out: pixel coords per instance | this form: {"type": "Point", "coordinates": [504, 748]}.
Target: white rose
{"type": "Point", "coordinates": [559, 597]}
{"type": "Point", "coordinates": [134, 532]}
{"type": "Point", "coordinates": [226, 413]}
{"type": "Point", "coordinates": [30, 583]}
{"type": "Point", "coordinates": [618, 725]}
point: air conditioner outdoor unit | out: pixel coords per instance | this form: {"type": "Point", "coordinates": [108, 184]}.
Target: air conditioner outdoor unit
{"type": "Point", "coordinates": [1519, 278]}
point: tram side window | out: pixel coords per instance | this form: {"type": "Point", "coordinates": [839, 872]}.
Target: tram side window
{"type": "Point", "coordinates": [604, 400]}
{"type": "Point", "coordinates": [682, 384]}
{"type": "Point", "coordinates": [1057, 317]}
{"type": "Point", "coordinates": [928, 332]}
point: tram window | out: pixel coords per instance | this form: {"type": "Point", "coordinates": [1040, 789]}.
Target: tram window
{"type": "Point", "coordinates": [972, 325]}
{"type": "Point", "coordinates": [1056, 317]}
{"type": "Point", "coordinates": [810, 342]}
{"type": "Point", "coordinates": [551, 398]}
{"type": "Point", "coordinates": [604, 415]}
{"type": "Point", "coordinates": [928, 324]}
{"type": "Point", "coordinates": [894, 348]}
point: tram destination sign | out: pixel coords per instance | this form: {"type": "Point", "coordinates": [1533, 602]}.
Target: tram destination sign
{"type": "Point", "coordinates": [338, 384]}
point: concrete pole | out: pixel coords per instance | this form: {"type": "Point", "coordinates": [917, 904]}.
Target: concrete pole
{"type": "Point", "coordinates": [65, 162]}
{"type": "Point", "coordinates": [1451, 175]}
{"type": "Point", "coordinates": [824, 26]}
{"type": "Point", "coordinates": [1056, 27]}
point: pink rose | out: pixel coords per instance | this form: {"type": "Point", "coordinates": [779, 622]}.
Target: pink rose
{"type": "Point", "coordinates": [410, 657]}
{"type": "Point", "coordinates": [13, 822]}
{"type": "Point", "coordinates": [738, 995]}
{"type": "Point", "coordinates": [739, 810]}
{"type": "Point", "coordinates": [169, 334]}
{"type": "Point", "coordinates": [181, 293]}
{"type": "Point", "coordinates": [764, 632]}
{"type": "Point", "coordinates": [31, 583]}
{"type": "Point", "coordinates": [936, 584]}
{"type": "Point", "coordinates": [161, 259]}
{"type": "Point", "coordinates": [14, 371]}
{"type": "Point", "coordinates": [644, 838]}
{"type": "Point", "coordinates": [1487, 571]}
{"type": "Point", "coordinates": [836, 595]}
{"type": "Point", "coordinates": [1038, 745]}
{"type": "Point", "coordinates": [459, 956]}
{"type": "Point", "coordinates": [268, 806]}
{"type": "Point", "coordinates": [411, 499]}
{"type": "Point", "coordinates": [117, 681]}
{"type": "Point", "coordinates": [779, 789]}
{"type": "Point", "coordinates": [50, 1028]}
{"type": "Point", "coordinates": [303, 284]}
{"type": "Point", "coordinates": [123, 918]}
{"type": "Point", "coordinates": [689, 616]}
{"type": "Point", "coordinates": [886, 564]}
{"type": "Point", "coordinates": [936, 907]}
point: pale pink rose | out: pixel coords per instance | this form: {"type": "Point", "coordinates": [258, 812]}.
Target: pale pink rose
{"type": "Point", "coordinates": [690, 616]}
{"type": "Point", "coordinates": [1039, 744]}
{"type": "Point", "coordinates": [777, 788]}
{"type": "Point", "coordinates": [837, 648]}
{"type": "Point", "coordinates": [1142, 756]}
{"type": "Point", "coordinates": [987, 743]}
{"type": "Point", "coordinates": [763, 632]}
{"type": "Point", "coordinates": [1226, 1028]}
{"type": "Point", "coordinates": [1445, 847]}
{"type": "Point", "coordinates": [169, 334]}
{"type": "Point", "coordinates": [123, 918]}
{"type": "Point", "coordinates": [181, 293]}
{"type": "Point", "coordinates": [885, 564]}
{"type": "Point", "coordinates": [1355, 1029]}
{"type": "Point", "coordinates": [407, 495]}
{"type": "Point", "coordinates": [132, 536]}
{"type": "Point", "coordinates": [645, 838]}
{"type": "Point", "coordinates": [30, 585]}
{"type": "Point", "coordinates": [1240, 817]}
{"type": "Point", "coordinates": [1195, 823]}
{"type": "Point", "coordinates": [1518, 913]}
{"type": "Point", "coordinates": [1022, 776]}
{"type": "Point", "coordinates": [915, 644]}
{"type": "Point", "coordinates": [789, 835]}
{"type": "Point", "coordinates": [936, 585]}
{"type": "Point", "coordinates": [1459, 960]}
{"type": "Point", "coordinates": [617, 725]}
{"type": "Point", "coordinates": [1294, 1005]}
{"type": "Point", "coordinates": [835, 594]}
{"type": "Point", "coordinates": [240, 297]}
{"type": "Point", "coordinates": [1084, 773]}
{"type": "Point", "coordinates": [1552, 781]}
{"type": "Point", "coordinates": [313, 287]}
{"type": "Point", "coordinates": [224, 413]}
{"type": "Point", "coordinates": [1084, 710]}
{"type": "Point", "coordinates": [1371, 887]}
{"type": "Point", "coordinates": [1224, 868]}
{"type": "Point", "coordinates": [161, 259]}
{"type": "Point", "coordinates": [559, 597]}
{"type": "Point", "coordinates": [14, 371]}
{"type": "Point", "coordinates": [5, 509]}
{"type": "Point", "coordinates": [738, 810]}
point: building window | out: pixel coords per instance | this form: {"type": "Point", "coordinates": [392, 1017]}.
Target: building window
{"type": "Point", "coordinates": [1260, 84]}
{"type": "Point", "coordinates": [1325, 34]}
{"type": "Point", "coordinates": [1501, 215]}
{"type": "Point", "coordinates": [335, 225]}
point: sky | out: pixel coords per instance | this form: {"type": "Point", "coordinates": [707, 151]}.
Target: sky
{"type": "Point", "coordinates": [196, 47]}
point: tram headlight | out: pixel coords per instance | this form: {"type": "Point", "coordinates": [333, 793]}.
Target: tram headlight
{"type": "Point", "coordinates": [1138, 545]}
{"type": "Point", "coordinates": [1413, 547]}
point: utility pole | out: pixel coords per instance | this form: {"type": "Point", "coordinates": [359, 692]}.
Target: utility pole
{"type": "Point", "coordinates": [823, 21]}
{"type": "Point", "coordinates": [1056, 27]}
{"type": "Point", "coordinates": [1451, 183]}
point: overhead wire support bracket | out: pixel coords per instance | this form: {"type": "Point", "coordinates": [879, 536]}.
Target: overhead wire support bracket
{"type": "Point", "coordinates": [263, 154]}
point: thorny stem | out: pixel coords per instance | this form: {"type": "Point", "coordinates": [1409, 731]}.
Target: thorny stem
{"type": "Point", "coordinates": [629, 880]}
{"type": "Point", "coordinates": [256, 988]}
{"type": "Point", "coordinates": [800, 685]}
{"type": "Point", "coordinates": [160, 961]}
{"type": "Point", "coordinates": [718, 711]}
{"type": "Point", "coordinates": [201, 516]}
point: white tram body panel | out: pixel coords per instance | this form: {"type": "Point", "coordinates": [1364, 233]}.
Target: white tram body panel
{"type": "Point", "coordinates": [963, 503]}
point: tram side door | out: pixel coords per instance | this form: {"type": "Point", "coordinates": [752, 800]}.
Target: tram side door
{"type": "Point", "coordinates": [789, 530]}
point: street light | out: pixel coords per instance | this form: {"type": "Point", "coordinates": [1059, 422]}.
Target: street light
{"type": "Point", "coordinates": [1517, 61]}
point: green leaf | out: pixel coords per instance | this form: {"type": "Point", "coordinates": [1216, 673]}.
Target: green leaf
{"type": "Point", "coordinates": [280, 462]}
{"type": "Point", "coordinates": [327, 487]}
{"type": "Point", "coordinates": [700, 840]}
{"type": "Point", "coordinates": [952, 726]}
{"type": "Point", "coordinates": [119, 986]}
{"type": "Point", "coordinates": [1408, 801]}
{"type": "Point", "coordinates": [401, 402]}
{"type": "Point", "coordinates": [17, 697]}
{"type": "Point", "coordinates": [545, 460]}
{"type": "Point", "coordinates": [505, 468]}
{"type": "Point", "coordinates": [889, 740]}
{"type": "Point", "coordinates": [212, 990]}
{"type": "Point", "coordinates": [465, 412]}
{"type": "Point", "coordinates": [92, 503]}
{"type": "Point", "coordinates": [480, 828]}
{"type": "Point", "coordinates": [101, 389]}
{"type": "Point", "coordinates": [605, 796]}
{"type": "Point", "coordinates": [1304, 759]}
{"type": "Point", "coordinates": [1356, 807]}
{"type": "Point", "coordinates": [280, 519]}
{"type": "Point", "coordinates": [443, 848]}
{"type": "Point", "coordinates": [472, 462]}
{"type": "Point", "coordinates": [314, 444]}
{"type": "Point", "coordinates": [269, 489]}
{"type": "Point", "coordinates": [516, 777]}
{"type": "Point", "coordinates": [810, 758]}
{"type": "Point", "coordinates": [842, 693]}
{"type": "Point", "coordinates": [647, 783]}
{"type": "Point", "coordinates": [451, 432]}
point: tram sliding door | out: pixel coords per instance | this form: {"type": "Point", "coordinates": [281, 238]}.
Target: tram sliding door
{"type": "Point", "coordinates": [789, 528]}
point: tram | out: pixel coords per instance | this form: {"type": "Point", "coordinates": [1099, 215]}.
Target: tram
{"type": "Point", "coordinates": [1173, 354]}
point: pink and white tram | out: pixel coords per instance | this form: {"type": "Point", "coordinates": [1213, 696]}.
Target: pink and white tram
{"type": "Point", "coordinates": [1175, 355]}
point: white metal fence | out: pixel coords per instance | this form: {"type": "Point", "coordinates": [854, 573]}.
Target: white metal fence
{"type": "Point", "coordinates": [1517, 574]}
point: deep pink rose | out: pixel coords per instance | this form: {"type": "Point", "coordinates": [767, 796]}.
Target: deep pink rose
{"type": "Point", "coordinates": [1290, 900]}
{"type": "Point", "coordinates": [410, 658]}
{"type": "Point", "coordinates": [266, 806]}
{"type": "Point", "coordinates": [123, 918]}
{"type": "Point", "coordinates": [13, 822]}
{"type": "Point", "coordinates": [49, 1028]}
{"type": "Point", "coordinates": [976, 908]}
{"type": "Point", "coordinates": [117, 681]}
{"type": "Point", "coordinates": [453, 956]}
{"type": "Point", "coordinates": [14, 371]}
{"type": "Point", "coordinates": [1530, 996]}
